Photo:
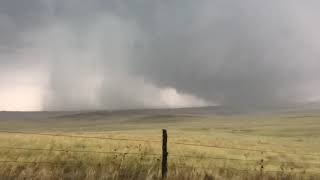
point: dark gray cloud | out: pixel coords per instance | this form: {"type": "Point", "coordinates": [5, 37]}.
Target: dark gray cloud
{"type": "Point", "coordinates": [121, 54]}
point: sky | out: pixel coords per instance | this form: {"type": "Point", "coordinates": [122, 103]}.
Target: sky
{"type": "Point", "coordinates": [120, 54]}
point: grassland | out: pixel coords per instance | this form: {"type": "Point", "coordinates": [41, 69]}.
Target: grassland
{"type": "Point", "coordinates": [287, 142]}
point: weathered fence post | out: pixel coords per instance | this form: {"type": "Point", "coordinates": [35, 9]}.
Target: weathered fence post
{"type": "Point", "coordinates": [164, 168]}
{"type": "Point", "coordinates": [261, 168]}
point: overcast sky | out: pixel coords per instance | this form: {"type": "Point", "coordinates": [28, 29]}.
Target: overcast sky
{"type": "Point", "coordinates": [120, 54]}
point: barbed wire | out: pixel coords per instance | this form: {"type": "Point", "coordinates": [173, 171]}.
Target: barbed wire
{"type": "Point", "coordinates": [156, 141]}
{"type": "Point", "coordinates": [245, 170]}
{"type": "Point", "coordinates": [211, 157]}
{"type": "Point", "coordinates": [77, 163]}
{"type": "Point", "coordinates": [204, 168]}
{"type": "Point", "coordinates": [39, 162]}
{"type": "Point", "coordinates": [149, 154]}
{"type": "Point", "coordinates": [76, 151]}
{"type": "Point", "coordinates": [75, 136]}
{"type": "Point", "coordinates": [243, 149]}
{"type": "Point", "coordinates": [74, 163]}
{"type": "Point", "coordinates": [245, 160]}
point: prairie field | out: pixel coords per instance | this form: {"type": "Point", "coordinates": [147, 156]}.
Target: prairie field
{"type": "Point", "coordinates": [203, 143]}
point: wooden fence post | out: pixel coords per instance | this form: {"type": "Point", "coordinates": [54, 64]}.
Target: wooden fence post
{"type": "Point", "coordinates": [164, 169]}
{"type": "Point", "coordinates": [261, 167]}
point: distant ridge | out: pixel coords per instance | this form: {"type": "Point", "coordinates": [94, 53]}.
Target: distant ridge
{"type": "Point", "coordinates": [304, 108]}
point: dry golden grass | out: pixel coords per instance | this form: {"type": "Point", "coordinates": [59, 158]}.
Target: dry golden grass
{"type": "Point", "coordinates": [286, 140]}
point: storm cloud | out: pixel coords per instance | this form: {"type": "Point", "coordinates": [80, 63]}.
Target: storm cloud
{"type": "Point", "coordinates": [120, 54]}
